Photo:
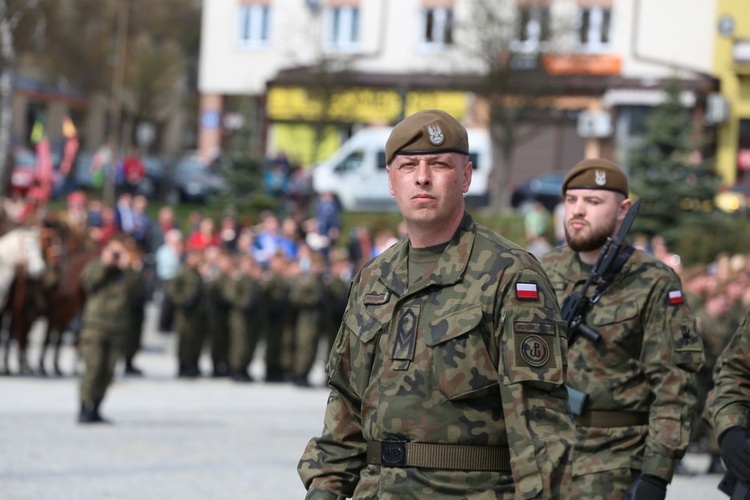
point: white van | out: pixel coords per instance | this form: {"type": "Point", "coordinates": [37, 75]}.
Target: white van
{"type": "Point", "coordinates": [356, 173]}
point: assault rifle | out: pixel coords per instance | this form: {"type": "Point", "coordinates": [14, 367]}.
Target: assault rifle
{"type": "Point", "coordinates": [575, 306]}
{"type": "Point", "coordinates": [735, 488]}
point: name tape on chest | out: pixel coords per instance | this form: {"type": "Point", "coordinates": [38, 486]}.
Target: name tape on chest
{"type": "Point", "coordinates": [376, 299]}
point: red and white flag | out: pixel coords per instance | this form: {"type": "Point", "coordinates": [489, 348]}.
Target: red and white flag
{"type": "Point", "coordinates": [675, 297]}
{"type": "Point", "coordinates": [527, 291]}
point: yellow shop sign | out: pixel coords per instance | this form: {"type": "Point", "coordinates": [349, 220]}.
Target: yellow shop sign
{"type": "Point", "coordinates": [356, 105]}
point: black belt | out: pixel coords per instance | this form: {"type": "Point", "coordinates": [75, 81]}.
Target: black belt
{"type": "Point", "coordinates": [603, 418]}
{"type": "Point", "coordinates": [438, 456]}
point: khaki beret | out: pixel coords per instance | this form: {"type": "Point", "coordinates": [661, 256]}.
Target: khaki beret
{"type": "Point", "coordinates": [596, 173]}
{"type": "Point", "coordinates": [426, 132]}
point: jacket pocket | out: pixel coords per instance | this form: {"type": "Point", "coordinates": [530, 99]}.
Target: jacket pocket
{"type": "Point", "coordinates": [619, 324]}
{"type": "Point", "coordinates": [688, 346]}
{"type": "Point", "coordinates": [462, 366]}
{"type": "Point", "coordinates": [354, 350]}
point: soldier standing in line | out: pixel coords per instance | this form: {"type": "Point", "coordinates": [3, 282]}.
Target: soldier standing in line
{"type": "Point", "coordinates": [728, 402]}
{"type": "Point", "coordinates": [218, 310]}
{"type": "Point", "coordinates": [447, 374]}
{"type": "Point", "coordinates": [109, 282]}
{"type": "Point", "coordinates": [307, 295]}
{"type": "Point", "coordinates": [277, 315]}
{"type": "Point", "coordinates": [244, 295]}
{"type": "Point", "coordinates": [138, 308]}
{"type": "Point", "coordinates": [639, 377]}
{"type": "Point", "coordinates": [714, 329]}
{"type": "Point", "coordinates": [336, 285]}
{"type": "Point", "coordinates": [186, 290]}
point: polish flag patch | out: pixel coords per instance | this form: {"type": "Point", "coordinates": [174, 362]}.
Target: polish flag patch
{"type": "Point", "coordinates": [527, 291]}
{"type": "Point", "coordinates": [675, 297]}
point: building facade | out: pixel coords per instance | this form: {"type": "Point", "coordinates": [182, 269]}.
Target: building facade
{"type": "Point", "coordinates": [319, 70]}
{"type": "Point", "coordinates": [731, 112]}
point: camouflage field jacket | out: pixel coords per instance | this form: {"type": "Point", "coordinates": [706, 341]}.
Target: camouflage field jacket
{"type": "Point", "coordinates": [729, 401]}
{"type": "Point", "coordinates": [471, 354]}
{"type": "Point", "coordinates": [644, 363]}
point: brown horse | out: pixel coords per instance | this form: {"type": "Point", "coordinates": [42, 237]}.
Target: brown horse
{"type": "Point", "coordinates": [21, 310]}
{"type": "Point", "coordinates": [23, 265]}
{"type": "Point", "coordinates": [63, 294]}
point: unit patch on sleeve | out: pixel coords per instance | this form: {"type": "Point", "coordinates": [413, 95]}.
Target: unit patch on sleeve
{"type": "Point", "coordinates": [535, 351]}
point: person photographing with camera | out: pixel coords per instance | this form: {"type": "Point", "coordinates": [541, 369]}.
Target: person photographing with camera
{"type": "Point", "coordinates": [109, 285]}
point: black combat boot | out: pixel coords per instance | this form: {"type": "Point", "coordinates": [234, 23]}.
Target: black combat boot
{"type": "Point", "coordinates": [132, 370]}
{"type": "Point", "coordinates": [301, 381]}
{"type": "Point", "coordinates": [716, 466]}
{"type": "Point", "coordinates": [275, 375]}
{"type": "Point", "coordinates": [90, 414]}
{"type": "Point", "coordinates": [241, 376]}
{"type": "Point", "coordinates": [221, 370]}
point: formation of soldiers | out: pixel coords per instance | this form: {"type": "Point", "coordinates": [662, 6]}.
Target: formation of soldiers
{"type": "Point", "coordinates": [292, 305]}
{"type": "Point", "coordinates": [719, 295]}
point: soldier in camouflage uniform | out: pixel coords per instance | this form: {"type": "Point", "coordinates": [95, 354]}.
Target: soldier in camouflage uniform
{"type": "Point", "coordinates": [336, 285]}
{"type": "Point", "coordinates": [109, 283]}
{"type": "Point", "coordinates": [278, 319]}
{"type": "Point", "coordinates": [138, 309]}
{"type": "Point", "coordinates": [307, 296]}
{"type": "Point", "coordinates": [244, 295]}
{"type": "Point", "coordinates": [640, 376]}
{"type": "Point", "coordinates": [186, 290]}
{"type": "Point", "coordinates": [218, 312]}
{"type": "Point", "coordinates": [729, 403]}
{"type": "Point", "coordinates": [447, 373]}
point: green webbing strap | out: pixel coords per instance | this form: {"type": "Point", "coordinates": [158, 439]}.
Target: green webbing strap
{"type": "Point", "coordinates": [444, 456]}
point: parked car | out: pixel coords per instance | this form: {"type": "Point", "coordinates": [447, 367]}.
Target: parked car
{"type": "Point", "coordinates": [191, 179]}
{"type": "Point", "coordinates": [357, 177]}
{"type": "Point", "coordinates": [545, 188]}
{"type": "Point", "coordinates": [150, 186]}
{"type": "Point", "coordinates": [156, 172]}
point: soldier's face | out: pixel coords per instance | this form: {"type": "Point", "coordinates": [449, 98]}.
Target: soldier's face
{"type": "Point", "coordinates": [591, 216]}
{"type": "Point", "coordinates": [429, 188]}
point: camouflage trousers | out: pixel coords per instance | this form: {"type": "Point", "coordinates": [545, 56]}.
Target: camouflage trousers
{"type": "Point", "coordinates": [100, 353]}
{"type": "Point", "coordinates": [606, 485]}
{"type": "Point", "coordinates": [307, 335]}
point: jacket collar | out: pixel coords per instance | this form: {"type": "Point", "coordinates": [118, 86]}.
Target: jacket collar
{"type": "Point", "coordinates": [450, 268]}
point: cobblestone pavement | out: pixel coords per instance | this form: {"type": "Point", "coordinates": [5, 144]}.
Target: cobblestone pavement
{"type": "Point", "coordinates": [174, 439]}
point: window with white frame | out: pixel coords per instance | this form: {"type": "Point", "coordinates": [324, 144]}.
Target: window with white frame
{"type": "Point", "coordinates": [533, 28]}
{"type": "Point", "coordinates": [437, 27]}
{"type": "Point", "coordinates": [341, 29]}
{"type": "Point", "coordinates": [593, 28]}
{"type": "Point", "coordinates": [254, 25]}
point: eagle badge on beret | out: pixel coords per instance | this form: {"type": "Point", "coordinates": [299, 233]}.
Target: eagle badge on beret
{"type": "Point", "coordinates": [600, 177]}
{"type": "Point", "coordinates": [436, 135]}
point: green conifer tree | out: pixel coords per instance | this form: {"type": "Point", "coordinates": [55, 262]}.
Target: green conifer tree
{"type": "Point", "coordinates": [677, 187]}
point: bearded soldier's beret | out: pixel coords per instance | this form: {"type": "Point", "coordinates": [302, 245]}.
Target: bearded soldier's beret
{"type": "Point", "coordinates": [427, 132]}
{"type": "Point", "coordinates": [596, 173]}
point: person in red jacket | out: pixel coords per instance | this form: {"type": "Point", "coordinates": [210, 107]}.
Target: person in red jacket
{"type": "Point", "coordinates": [204, 236]}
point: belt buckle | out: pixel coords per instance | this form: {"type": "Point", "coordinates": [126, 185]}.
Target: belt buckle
{"type": "Point", "coordinates": [393, 453]}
